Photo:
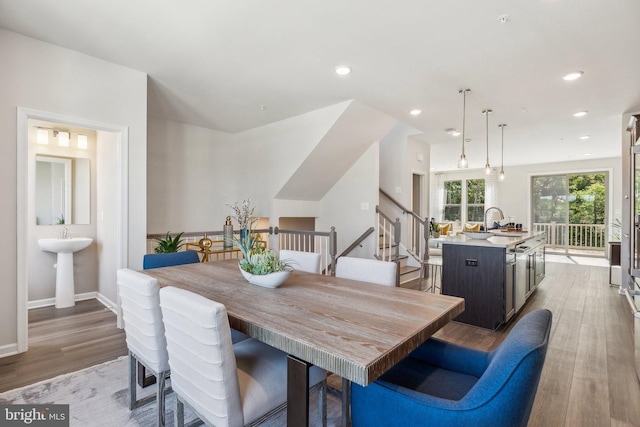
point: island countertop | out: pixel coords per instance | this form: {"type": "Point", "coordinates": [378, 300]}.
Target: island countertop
{"type": "Point", "coordinates": [501, 239]}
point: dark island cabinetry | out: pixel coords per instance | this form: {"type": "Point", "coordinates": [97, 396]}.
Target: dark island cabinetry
{"type": "Point", "coordinates": [495, 276]}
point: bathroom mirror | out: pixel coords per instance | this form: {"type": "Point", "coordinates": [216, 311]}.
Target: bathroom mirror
{"type": "Point", "coordinates": [63, 190]}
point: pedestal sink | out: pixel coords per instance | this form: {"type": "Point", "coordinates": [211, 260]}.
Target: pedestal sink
{"type": "Point", "coordinates": [65, 288]}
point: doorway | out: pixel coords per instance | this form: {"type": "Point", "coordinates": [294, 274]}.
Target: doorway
{"type": "Point", "coordinates": [573, 209]}
{"type": "Point", "coordinates": [418, 206]}
{"type": "Point", "coordinates": [114, 237]}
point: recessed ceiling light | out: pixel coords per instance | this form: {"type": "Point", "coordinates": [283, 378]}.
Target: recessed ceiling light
{"type": "Point", "coordinates": [343, 70]}
{"type": "Point", "coordinates": [452, 132]}
{"type": "Point", "coordinates": [573, 76]}
{"type": "Point", "coordinates": [587, 154]}
{"type": "Point", "coordinates": [415, 112]}
{"type": "Point", "coordinates": [585, 136]}
{"type": "Point", "coordinates": [580, 114]}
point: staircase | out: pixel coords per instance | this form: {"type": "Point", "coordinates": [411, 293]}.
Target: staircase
{"type": "Point", "coordinates": [389, 248]}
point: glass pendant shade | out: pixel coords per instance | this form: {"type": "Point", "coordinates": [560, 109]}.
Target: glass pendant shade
{"type": "Point", "coordinates": [502, 126]}
{"type": "Point", "coordinates": [462, 161]}
{"type": "Point", "coordinates": [487, 166]}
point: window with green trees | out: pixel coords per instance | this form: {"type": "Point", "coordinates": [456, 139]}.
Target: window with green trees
{"type": "Point", "coordinates": [475, 200]}
{"type": "Point", "coordinates": [452, 201]}
{"type": "Point", "coordinates": [471, 201]}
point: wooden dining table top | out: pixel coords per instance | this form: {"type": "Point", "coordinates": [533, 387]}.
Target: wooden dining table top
{"type": "Point", "coordinates": [354, 329]}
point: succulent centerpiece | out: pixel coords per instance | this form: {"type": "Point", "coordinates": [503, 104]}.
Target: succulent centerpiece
{"type": "Point", "coordinates": [258, 266]}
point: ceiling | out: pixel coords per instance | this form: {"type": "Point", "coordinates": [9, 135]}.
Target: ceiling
{"type": "Point", "coordinates": [233, 65]}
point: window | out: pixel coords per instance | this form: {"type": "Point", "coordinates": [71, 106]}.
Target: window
{"type": "Point", "coordinates": [452, 201]}
{"type": "Point", "coordinates": [470, 202]}
{"type": "Point", "coordinates": [475, 200]}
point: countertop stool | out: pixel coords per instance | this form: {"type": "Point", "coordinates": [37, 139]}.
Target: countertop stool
{"type": "Point", "coordinates": [435, 263]}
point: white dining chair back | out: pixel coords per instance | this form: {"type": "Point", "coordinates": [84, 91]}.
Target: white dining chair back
{"type": "Point", "coordinates": [303, 261]}
{"type": "Point", "coordinates": [367, 270]}
{"type": "Point", "coordinates": [144, 331]}
{"type": "Point", "coordinates": [225, 384]}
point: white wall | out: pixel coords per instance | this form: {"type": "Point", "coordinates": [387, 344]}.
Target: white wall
{"type": "Point", "coordinates": [193, 172]}
{"type": "Point", "coordinates": [107, 215]}
{"type": "Point", "coordinates": [341, 207]}
{"type": "Point", "coordinates": [514, 192]}
{"type": "Point", "coordinates": [44, 77]}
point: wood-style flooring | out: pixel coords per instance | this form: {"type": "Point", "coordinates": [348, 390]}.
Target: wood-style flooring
{"type": "Point", "coordinates": [588, 378]}
{"type": "Point", "coordinates": [62, 341]}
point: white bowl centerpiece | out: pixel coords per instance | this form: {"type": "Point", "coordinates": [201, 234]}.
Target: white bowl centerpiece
{"type": "Point", "coordinates": [259, 266]}
{"type": "Point", "coordinates": [479, 235]}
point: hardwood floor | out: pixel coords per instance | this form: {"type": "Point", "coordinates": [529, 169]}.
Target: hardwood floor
{"type": "Point", "coordinates": [588, 378]}
{"type": "Point", "coordinates": [63, 341]}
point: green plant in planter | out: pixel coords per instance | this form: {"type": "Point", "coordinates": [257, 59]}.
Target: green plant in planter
{"type": "Point", "coordinates": [255, 260]}
{"type": "Point", "coordinates": [168, 244]}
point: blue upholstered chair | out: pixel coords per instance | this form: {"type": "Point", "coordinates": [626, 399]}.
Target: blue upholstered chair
{"type": "Point", "coordinates": [151, 261]}
{"type": "Point", "coordinates": [443, 384]}
{"type": "Point", "coordinates": [167, 260]}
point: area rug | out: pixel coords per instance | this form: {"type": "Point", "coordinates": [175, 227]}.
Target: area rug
{"type": "Point", "coordinates": [99, 396]}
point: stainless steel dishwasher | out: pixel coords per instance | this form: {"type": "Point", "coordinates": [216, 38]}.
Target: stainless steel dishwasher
{"type": "Point", "coordinates": [509, 284]}
{"type": "Point", "coordinates": [523, 253]}
{"type": "Point", "coordinates": [633, 297]}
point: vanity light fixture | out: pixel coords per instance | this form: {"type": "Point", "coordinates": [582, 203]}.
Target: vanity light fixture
{"type": "Point", "coordinates": [462, 162]}
{"type": "Point", "coordinates": [573, 76]}
{"type": "Point", "coordinates": [487, 167]}
{"type": "Point", "coordinates": [502, 126]}
{"type": "Point", "coordinates": [580, 114]}
{"type": "Point", "coordinates": [415, 112]}
{"type": "Point", "coordinates": [343, 70]}
{"type": "Point", "coordinates": [43, 136]}
{"type": "Point", "coordinates": [63, 137]}
{"type": "Point", "coordinates": [82, 142]}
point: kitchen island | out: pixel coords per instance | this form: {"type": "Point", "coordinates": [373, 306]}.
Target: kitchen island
{"type": "Point", "coordinates": [495, 276]}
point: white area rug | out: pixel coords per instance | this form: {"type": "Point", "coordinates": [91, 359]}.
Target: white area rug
{"type": "Point", "coordinates": [98, 396]}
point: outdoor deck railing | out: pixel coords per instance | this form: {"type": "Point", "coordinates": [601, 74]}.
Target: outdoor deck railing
{"type": "Point", "coordinates": [574, 236]}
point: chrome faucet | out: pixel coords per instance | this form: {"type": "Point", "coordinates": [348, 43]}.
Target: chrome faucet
{"type": "Point", "coordinates": [66, 234]}
{"type": "Point", "coordinates": [485, 216]}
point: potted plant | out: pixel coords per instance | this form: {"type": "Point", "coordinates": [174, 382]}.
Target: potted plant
{"type": "Point", "coordinates": [259, 266]}
{"type": "Point", "coordinates": [168, 244]}
{"type": "Point", "coordinates": [436, 230]}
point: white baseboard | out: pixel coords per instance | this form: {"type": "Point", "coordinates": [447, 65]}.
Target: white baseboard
{"type": "Point", "coordinates": [106, 302]}
{"type": "Point", "coordinates": [8, 350]}
{"type": "Point", "coordinates": [52, 301]}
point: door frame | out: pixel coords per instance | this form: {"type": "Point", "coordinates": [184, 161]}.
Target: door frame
{"type": "Point", "coordinates": [122, 197]}
{"type": "Point", "coordinates": [608, 195]}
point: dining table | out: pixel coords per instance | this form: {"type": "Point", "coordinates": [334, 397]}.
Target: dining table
{"type": "Point", "coordinates": [356, 330]}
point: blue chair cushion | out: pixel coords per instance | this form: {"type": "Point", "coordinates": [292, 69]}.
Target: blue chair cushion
{"type": "Point", "coordinates": [170, 259]}
{"type": "Point", "coordinates": [443, 384]}
{"type": "Point", "coordinates": [422, 377]}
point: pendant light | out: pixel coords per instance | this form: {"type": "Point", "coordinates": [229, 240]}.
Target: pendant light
{"type": "Point", "coordinates": [487, 167]}
{"type": "Point", "coordinates": [502, 126]}
{"type": "Point", "coordinates": [462, 162]}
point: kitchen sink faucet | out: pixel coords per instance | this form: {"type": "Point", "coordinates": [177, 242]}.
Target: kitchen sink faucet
{"type": "Point", "coordinates": [486, 228]}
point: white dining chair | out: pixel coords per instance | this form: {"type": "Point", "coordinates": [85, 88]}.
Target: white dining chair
{"type": "Point", "coordinates": [144, 333]}
{"type": "Point", "coordinates": [367, 270]}
{"type": "Point", "coordinates": [224, 384]}
{"type": "Point", "coordinates": [364, 270]}
{"type": "Point", "coordinates": [303, 261]}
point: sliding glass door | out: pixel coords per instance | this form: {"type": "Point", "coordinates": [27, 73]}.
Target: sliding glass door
{"type": "Point", "coordinates": [549, 195]}
{"type": "Point", "coordinates": [572, 209]}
